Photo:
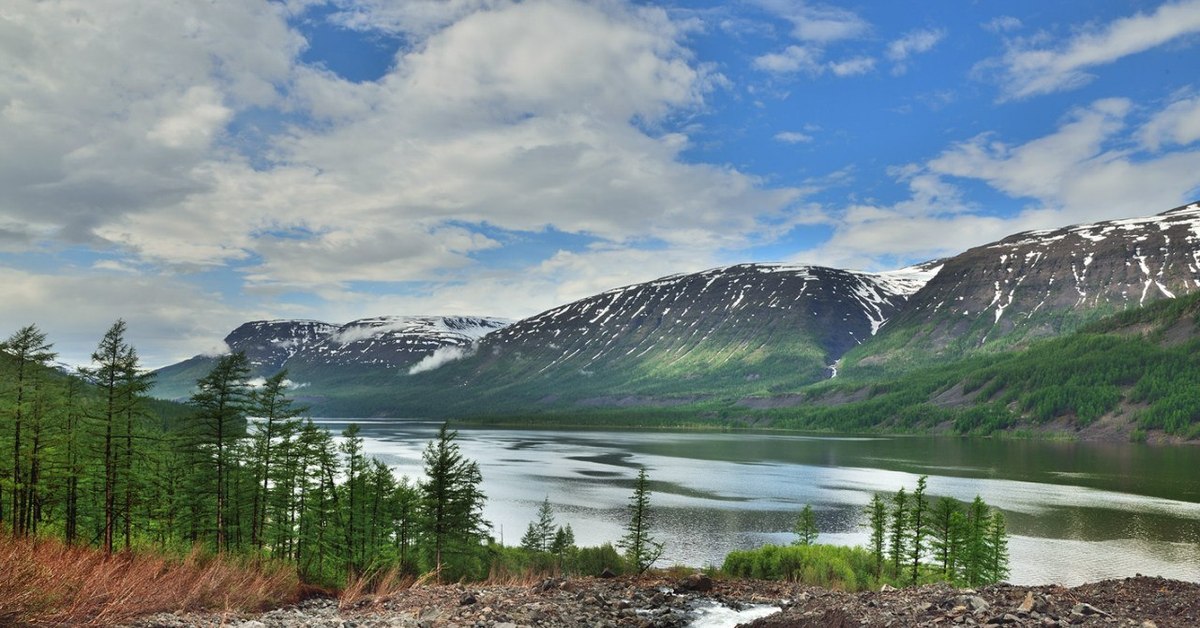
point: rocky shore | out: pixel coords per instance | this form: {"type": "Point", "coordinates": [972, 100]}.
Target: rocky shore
{"type": "Point", "coordinates": [1144, 602]}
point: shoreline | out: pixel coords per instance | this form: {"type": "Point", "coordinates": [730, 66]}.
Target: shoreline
{"type": "Point", "coordinates": [661, 602]}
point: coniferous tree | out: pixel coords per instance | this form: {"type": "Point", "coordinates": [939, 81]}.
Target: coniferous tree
{"type": "Point", "coordinates": [898, 539]}
{"type": "Point", "coordinates": [975, 538]}
{"type": "Point", "coordinates": [918, 526]}
{"type": "Point", "coordinates": [406, 500]}
{"type": "Point", "coordinates": [451, 502]}
{"type": "Point", "coordinates": [539, 536]}
{"type": "Point", "coordinates": [271, 405]}
{"type": "Point", "coordinates": [640, 548]}
{"type": "Point", "coordinates": [877, 521]}
{"type": "Point", "coordinates": [114, 363]}
{"type": "Point", "coordinates": [221, 403]}
{"type": "Point", "coordinates": [29, 353]}
{"type": "Point", "coordinates": [944, 532]}
{"type": "Point", "coordinates": [564, 541]}
{"type": "Point", "coordinates": [996, 562]}
{"type": "Point", "coordinates": [806, 527]}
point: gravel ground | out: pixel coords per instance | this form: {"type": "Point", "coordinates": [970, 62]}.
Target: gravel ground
{"type": "Point", "coordinates": [661, 603]}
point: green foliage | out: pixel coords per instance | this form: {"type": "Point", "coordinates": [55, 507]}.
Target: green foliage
{"type": "Point", "coordinates": [876, 512]}
{"type": "Point", "coordinates": [806, 527]}
{"type": "Point", "coordinates": [641, 550]}
{"type": "Point", "coordinates": [540, 536]}
{"type": "Point", "coordinates": [831, 566]}
{"type": "Point", "coordinates": [451, 508]}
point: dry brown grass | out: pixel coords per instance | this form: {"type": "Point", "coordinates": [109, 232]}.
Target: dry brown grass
{"type": "Point", "coordinates": [46, 582]}
{"type": "Point", "coordinates": [374, 587]}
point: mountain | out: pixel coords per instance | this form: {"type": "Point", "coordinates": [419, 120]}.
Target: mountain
{"type": "Point", "coordinates": [751, 327]}
{"type": "Point", "coordinates": [1039, 284]}
{"type": "Point", "coordinates": [314, 351]}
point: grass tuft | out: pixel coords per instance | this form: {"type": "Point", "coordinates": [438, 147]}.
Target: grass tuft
{"type": "Point", "coordinates": [46, 582]}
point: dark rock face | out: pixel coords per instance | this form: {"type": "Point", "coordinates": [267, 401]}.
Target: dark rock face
{"type": "Point", "coordinates": [1043, 283]}
{"type": "Point", "coordinates": [269, 344]}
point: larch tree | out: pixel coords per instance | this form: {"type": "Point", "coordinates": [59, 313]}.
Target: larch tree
{"type": "Point", "coordinates": [641, 550]}
{"type": "Point", "coordinates": [220, 402]}
{"type": "Point", "coordinates": [29, 353]}
{"type": "Point", "coordinates": [451, 501]}
{"type": "Point", "coordinates": [806, 527]}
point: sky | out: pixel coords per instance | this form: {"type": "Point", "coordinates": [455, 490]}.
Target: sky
{"type": "Point", "coordinates": [189, 165]}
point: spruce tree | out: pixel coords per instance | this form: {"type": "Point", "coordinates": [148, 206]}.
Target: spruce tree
{"type": "Point", "coordinates": [641, 550]}
{"type": "Point", "coordinates": [564, 541]}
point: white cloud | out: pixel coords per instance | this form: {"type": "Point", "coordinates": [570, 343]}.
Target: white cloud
{"type": "Point", "coordinates": [1081, 172]}
{"type": "Point", "coordinates": [816, 22]}
{"type": "Point", "coordinates": [440, 357]}
{"type": "Point", "coordinates": [808, 60]}
{"type": "Point", "coordinates": [1178, 124]}
{"type": "Point", "coordinates": [171, 318]}
{"type": "Point", "coordinates": [1002, 24]}
{"type": "Point", "coordinates": [1028, 69]}
{"type": "Point", "coordinates": [853, 66]}
{"type": "Point", "coordinates": [912, 43]}
{"type": "Point", "coordinates": [793, 137]}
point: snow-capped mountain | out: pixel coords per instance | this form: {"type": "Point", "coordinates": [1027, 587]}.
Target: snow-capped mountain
{"type": "Point", "coordinates": [313, 349]}
{"type": "Point", "coordinates": [752, 324]}
{"type": "Point", "coordinates": [1042, 283]}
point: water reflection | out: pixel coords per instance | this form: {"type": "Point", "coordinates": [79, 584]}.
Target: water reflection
{"type": "Point", "coordinates": [1077, 511]}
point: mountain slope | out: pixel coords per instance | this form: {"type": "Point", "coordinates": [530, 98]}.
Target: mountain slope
{"type": "Point", "coordinates": [744, 328]}
{"type": "Point", "coordinates": [1039, 284]}
{"type": "Point", "coordinates": [315, 352]}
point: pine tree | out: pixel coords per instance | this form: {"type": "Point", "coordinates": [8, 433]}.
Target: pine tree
{"type": "Point", "coordinates": [806, 527]}
{"type": "Point", "coordinates": [641, 550]}
{"type": "Point", "coordinates": [564, 541]}
{"type": "Point", "coordinates": [540, 534]}
{"type": "Point", "coordinates": [918, 526]}
{"type": "Point", "coordinates": [877, 521]}
{"type": "Point", "coordinates": [451, 502]}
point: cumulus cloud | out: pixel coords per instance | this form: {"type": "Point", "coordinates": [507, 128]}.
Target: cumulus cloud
{"type": "Point", "coordinates": [1028, 68]}
{"type": "Point", "coordinates": [134, 129]}
{"type": "Point", "coordinates": [1178, 124]}
{"type": "Point", "coordinates": [440, 357]}
{"type": "Point", "coordinates": [818, 22]}
{"type": "Point", "coordinates": [1081, 172]}
{"type": "Point", "coordinates": [912, 43]}
{"type": "Point", "coordinates": [793, 137]}
{"type": "Point", "coordinates": [171, 320]}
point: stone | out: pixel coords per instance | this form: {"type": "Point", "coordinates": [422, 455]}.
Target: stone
{"type": "Point", "coordinates": [1027, 603]}
{"type": "Point", "coordinates": [607, 573]}
{"type": "Point", "coordinates": [697, 582]}
{"type": "Point", "coordinates": [1087, 609]}
{"type": "Point", "coordinates": [467, 599]}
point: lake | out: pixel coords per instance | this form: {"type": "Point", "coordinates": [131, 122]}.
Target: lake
{"type": "Point", "coordinates": [1077, 512]}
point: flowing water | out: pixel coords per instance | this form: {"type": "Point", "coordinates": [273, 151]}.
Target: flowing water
{"type": "Point", "coordinates": [1077, 512]}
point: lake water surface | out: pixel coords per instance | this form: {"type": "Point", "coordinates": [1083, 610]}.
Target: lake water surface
{"type": "Point", "coordinates": [1077, 512]}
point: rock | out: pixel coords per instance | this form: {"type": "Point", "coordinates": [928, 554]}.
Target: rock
{"type": "Point", "coordinates": [1027, 604]}
{"type": "Point", "coordinates": [1087, 609]}
{"type": "Point", "coordinates": [697, 582]}
{"type": "Point", "coordinates": [1149, 624]}
{"type": "Point", "coordinates": [607, 573]}
{"type": "Point", "coordinates": [467, 599]}
{"type": "Point", "coordinates": [886, 588]}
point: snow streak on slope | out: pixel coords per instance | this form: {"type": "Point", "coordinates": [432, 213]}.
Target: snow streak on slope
{"type": "Point", "coordinates": [1044, 282]}
{"type": "Point", "coordinates": [712, 317]}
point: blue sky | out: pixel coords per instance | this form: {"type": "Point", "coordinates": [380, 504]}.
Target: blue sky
{"type": "Point", "coordinates": [192, 165]}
